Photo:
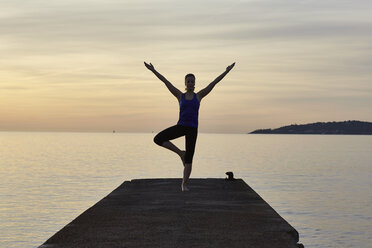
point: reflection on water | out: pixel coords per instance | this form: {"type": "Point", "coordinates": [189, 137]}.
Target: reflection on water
{"type": "Point", "coordinates": [320, 184]}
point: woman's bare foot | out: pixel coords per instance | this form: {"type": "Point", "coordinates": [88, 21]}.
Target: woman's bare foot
{"type": "Point", "coordinates": [184, 188]}
{"type": "Point", "coordinates": [182, 155]}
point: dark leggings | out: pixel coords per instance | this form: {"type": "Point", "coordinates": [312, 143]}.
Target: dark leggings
{"type": "Point", "coordinates": [177, 131]}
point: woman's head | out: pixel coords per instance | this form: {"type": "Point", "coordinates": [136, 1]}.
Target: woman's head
{"type": "Point", "coordinates": [190, 82]}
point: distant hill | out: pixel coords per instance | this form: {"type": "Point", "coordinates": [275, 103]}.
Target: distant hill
{"type": "Point", "coordinates": [344, 127]}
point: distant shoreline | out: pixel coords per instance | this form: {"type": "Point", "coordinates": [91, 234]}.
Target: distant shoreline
{"type": "Point", "coordinates": [320, 134]}
{"type": "Point", "coordinates": [323, 128]}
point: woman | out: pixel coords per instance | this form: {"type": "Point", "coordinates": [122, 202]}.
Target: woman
{"type": "Point", "coordinates": [187, 124]}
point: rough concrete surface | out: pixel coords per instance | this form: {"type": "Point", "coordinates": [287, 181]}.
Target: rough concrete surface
{"type": "Point", "coordinates": [155, 213]}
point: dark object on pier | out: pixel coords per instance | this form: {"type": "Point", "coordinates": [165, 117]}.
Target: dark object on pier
{"type": "Point", "coordinates": [230, 175]}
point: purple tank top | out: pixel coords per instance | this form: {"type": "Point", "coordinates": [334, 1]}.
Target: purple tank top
{"type": "Point", "coordinates": [189, 111]}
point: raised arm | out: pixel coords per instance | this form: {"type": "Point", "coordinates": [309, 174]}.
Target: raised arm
{"type": "Point", "coordinates": [176, 92]}
{"type": "Point", "coordinates": [209, 88]}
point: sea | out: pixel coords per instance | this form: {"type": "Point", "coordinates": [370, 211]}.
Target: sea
{"type": "Point", "coordinates": [320, 184]}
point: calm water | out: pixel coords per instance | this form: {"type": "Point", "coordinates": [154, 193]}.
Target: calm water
{"type": "Point", "coordinates": [320, 184]}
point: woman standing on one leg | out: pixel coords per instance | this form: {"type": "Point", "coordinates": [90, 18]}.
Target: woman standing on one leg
{"type": "Point", "coordinates": [187, 124]}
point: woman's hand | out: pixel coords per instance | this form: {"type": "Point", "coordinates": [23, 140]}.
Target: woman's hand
{"type": "Point", "coordinates": [149, 66]}
{"type": "Point", "coordinates": [176, 92]}
{"type": "Point", "coordinates": [230, 67]}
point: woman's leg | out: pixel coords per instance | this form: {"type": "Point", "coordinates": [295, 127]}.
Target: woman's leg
{"type": "Point", "coordinates": [190, 149]}
{"type": "Point", "coordinates": [162, 139]}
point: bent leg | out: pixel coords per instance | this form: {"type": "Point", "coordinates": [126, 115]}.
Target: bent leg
{"type": "Point", "coordinates": [162, 139]}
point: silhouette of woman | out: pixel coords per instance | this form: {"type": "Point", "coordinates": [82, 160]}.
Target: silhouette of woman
{"type": "Point", "coordinates": [187, 124]}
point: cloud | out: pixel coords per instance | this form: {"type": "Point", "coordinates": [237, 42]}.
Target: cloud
{"type": "Point", "coordinates": [80, 26]}
{"type": "Point", "coordinates": [14, 88]}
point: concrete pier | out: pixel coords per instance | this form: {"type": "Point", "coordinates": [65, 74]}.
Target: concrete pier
{"type": "Point", "coordinates": [155, 213]}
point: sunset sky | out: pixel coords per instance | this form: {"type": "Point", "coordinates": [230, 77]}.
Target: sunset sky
{"type": "Point", "coordinates": [77, 65]}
